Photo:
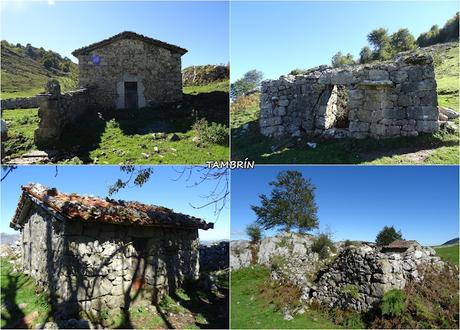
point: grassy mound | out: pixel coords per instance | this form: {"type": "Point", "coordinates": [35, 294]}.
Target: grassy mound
{"type": "Point", "coordinates": [439, 148]}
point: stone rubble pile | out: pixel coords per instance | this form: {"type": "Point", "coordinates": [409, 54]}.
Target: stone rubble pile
{"type": "Point", "coordinates": [359, 277]}
{"type": "Point", "coordinates": [356, 277]}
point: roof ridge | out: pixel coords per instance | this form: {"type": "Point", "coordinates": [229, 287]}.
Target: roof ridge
{"type": "Point", "coordinates": [129, 34]}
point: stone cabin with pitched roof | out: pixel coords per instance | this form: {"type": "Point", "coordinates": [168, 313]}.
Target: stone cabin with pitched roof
{"type": "Point", "coordinates": [401, 246]}
{"type": "Point", "coordinates": [130, 70]}
{"type": "Point", "coordinates": [93, 254]}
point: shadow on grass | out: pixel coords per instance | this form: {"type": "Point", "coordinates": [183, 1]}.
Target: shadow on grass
{"type": "Point", "coordinates": [251, 144]}
{"type": "Point", "coordinates": [12, 315]}
{"type": "Point", "coordinates": [212, 305]}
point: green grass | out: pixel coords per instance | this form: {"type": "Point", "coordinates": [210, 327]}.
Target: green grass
{"type": "Point", "coordinates": [438, 148]}
{"type": "Point", "coordinates": [110, 137]}
{"type": "Point", "coordinates": [250, 310]}
{"type": "Point", "coordinates": [218, 86]}
{"type": "Point", "coordinates": [448, 253]}
{"type": "Point", "coordinates": [19, 289]}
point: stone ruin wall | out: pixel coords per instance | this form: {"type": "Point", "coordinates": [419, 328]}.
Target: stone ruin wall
{"type": "Point", "coordinates": [58, 111]}
{"type": "Point", "coordinates": [370, 274]}
{"type": "Point", "coordinates": [102, 267]}
{"type": "Point", "coordinates": [387, 99]}
{"type": "Point", "coordinates": [20, 103]}
{"type": "Point", "coordinates": [361, 268]}
{"type": "Point", "coordinates": [156, 70]}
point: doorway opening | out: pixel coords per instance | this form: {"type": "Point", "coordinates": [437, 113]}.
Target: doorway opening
{"type": "Point", "coordinates": [131, 100]}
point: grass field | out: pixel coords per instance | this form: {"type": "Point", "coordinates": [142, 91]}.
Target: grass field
{"type": "Point", "coordinates": [439, 148]}
{"type": "Point", "coordinates": [251, 310]}
{"type": "Point", "coordinates": [132, 137]}
{"type": "Point", "coordinates": [448, 253]}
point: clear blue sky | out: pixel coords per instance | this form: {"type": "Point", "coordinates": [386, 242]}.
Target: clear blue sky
{"type": "Point", "coordinates": [276, 37]}
{"type": "Point", "coordinates": [94, 180]}
{"type": "Point", "coordinates": [200, 27]}
{"type": "Point", "coordinates": [356, 202]}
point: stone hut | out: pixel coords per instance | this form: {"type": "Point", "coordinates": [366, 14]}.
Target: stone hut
{"type": "Point", "coordinates": [130, 70]}
{"type": "Point", "coordinates": [401, 246]}
{"type": "Point", "coordinates": [95, 254]}
{"type": "Point", "coordinates": [386, 99]}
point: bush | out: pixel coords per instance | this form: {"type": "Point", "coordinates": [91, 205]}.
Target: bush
{"type": "Point", "coordinates": [254, 232]}
{"type": "Point", "coordinates": [214, 133]}
{"type": "Point", "coordinates": [352, 320]}
{"type": "Point", "coordinates": [393, 303]}
{"type": "Point", "coordinates": [323, 245]}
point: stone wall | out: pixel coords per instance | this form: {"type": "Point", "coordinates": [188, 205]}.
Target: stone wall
{"type": "Point", "coordinates": [95, 267]}
{"type": "Point", "coordinates": [388, 99]}
{"type": "Point", "coordinates": [20, 103]}
{"type": "Point", "coordinates": [353, 277]}
{"type": "Point", "coordinates": [214, 257]}
{"type": "Point", "coordinates": [156, 70]}
{"type": "Point", "coordinates": [57, 112]}
{"type": "Point", "coordinates": [359, 276]}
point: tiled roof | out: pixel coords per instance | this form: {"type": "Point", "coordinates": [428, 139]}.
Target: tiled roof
{"type": "Point", "coordinates": [95, 209]}
{"type": "Point", "coordinates": [129, 35]}
{"type": "Point", "coordinates": [400, 243]}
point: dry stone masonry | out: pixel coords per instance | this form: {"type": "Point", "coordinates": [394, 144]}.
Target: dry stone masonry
{"type": "Point", "coordinates": [20, 103]}
{"type": "Point", "coordinates": [354, 277]}
{"type": "Point", "coordinates": [97, 255]}
{"type": "Point", "coordinates": [388, 99]}
{"type": "Point", "coordinates": [58, 111]}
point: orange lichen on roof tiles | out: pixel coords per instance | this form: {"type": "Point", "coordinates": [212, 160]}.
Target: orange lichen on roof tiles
{"type": "Point", "coordinates": [89, 208]}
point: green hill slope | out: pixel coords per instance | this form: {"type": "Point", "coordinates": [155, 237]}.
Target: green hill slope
{"type": "Point", "coordinates": [448, 253]}
{"type": "Point", "coordinates": [26, 69]}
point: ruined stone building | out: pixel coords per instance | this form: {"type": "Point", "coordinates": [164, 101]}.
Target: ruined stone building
{"type": "Point", "coordinates": [96, 254]}
{"type": "Point", "coordinates": [130, 70]}
{"type": "Point", "coordinates": [386, 99]}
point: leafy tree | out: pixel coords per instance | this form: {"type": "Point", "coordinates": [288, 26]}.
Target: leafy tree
{"type": "Point", "coordinates": [254, 231]}
{"type": "Point", "coordinates": [291, 204]}
{"type": "Point", "coordinates": [387, 235]}
{"type": "Point", "coordinates": [449, 32]}
{"type": "Point", "coordinates": [365, 55]}
{"type": "Point", "coordinates": [340, 60]}
{"type": "Point", "coordinates": [250, 81]}
{"type": "Point", "coordinates": [253, 77]}
{"type": "Point", "coordinates": [380, 41]}
{"type": "Point", "coordinates": [402, 40]}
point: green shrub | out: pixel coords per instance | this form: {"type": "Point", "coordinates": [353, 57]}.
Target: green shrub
{"type": "Point", "coordinates": [351, 290]}
{"type": "Point", "coordinates": [323, 245]}
{"type": "Point", "coordinates": [393, 303]}
{"type": "Point", "coordinates": [213, 133]}
{"type": "Point", "coordinates": [352, 320]}
{"type": "Point", "coordinates": [254, 231]}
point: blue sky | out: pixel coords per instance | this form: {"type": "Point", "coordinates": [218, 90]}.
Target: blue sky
{"type": "Point", "coordinates": [276, 37]}
{"type": "Point", "coordinates": [162, 190]}
{"type": "Point", "coordinates": [200, 27]}
{"type": "Point", "coordinates": [356, 202]}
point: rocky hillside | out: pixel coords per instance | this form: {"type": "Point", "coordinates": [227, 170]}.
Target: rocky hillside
{"type": "Point", "coordinates": [205, 74]}
{"type": "Point", "coordinates": [26, 69]}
